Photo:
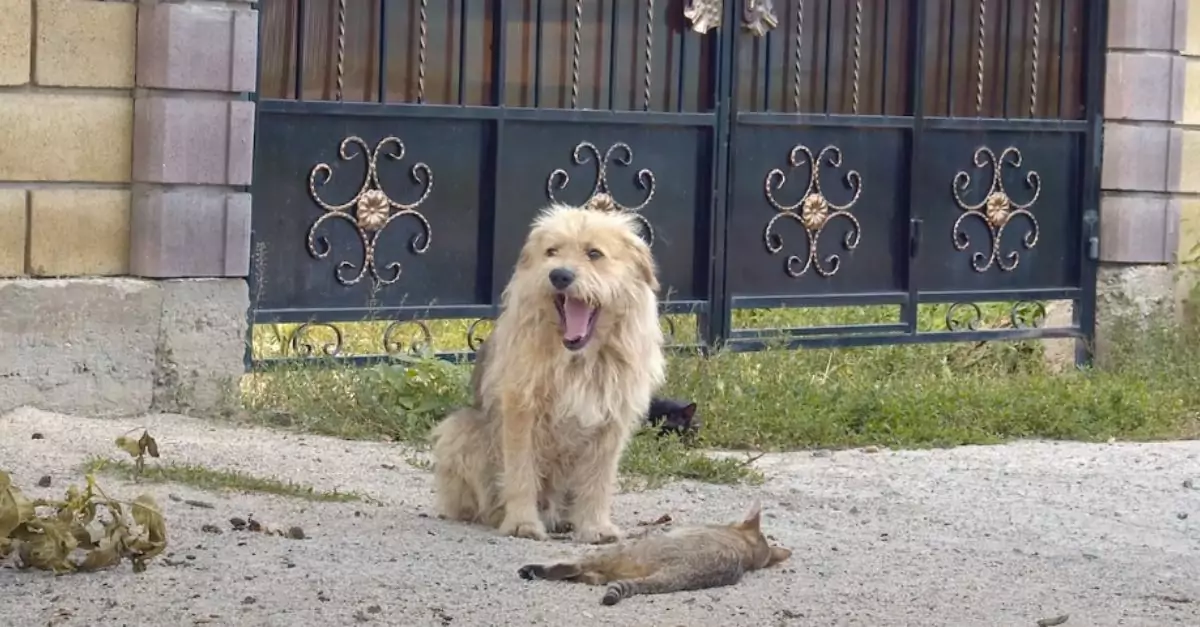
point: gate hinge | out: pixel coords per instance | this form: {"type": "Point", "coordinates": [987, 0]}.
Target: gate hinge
{"type": "Point", "coordinates": [1090, 220]}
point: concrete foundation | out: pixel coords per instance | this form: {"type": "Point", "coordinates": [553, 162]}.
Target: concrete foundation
{"type": "Point", "coordinates": [119, 346]}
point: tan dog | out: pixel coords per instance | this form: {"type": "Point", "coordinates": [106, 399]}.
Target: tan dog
{"type": "Point", "coordinates": [562, 383]}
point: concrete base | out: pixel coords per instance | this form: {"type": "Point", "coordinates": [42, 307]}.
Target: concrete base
{"type": "Point", "coordinates": [1139, 294]}
{"type": "Point", "coordinates": [112, 347]}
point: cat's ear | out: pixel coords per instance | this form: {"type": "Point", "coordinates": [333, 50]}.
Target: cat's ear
{"type": "Point", "coordinates": [753, 517]}
{"type": "Point", "coordinates": [778, 554]}
{"type": "Point", "coordinates": [689, 410]}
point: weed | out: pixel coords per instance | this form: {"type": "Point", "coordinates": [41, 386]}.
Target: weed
{"type": "Point", "coordinates": [209, 479]}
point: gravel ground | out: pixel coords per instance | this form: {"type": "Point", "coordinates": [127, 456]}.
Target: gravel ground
{"type": "Point", "coordinates": [990, 536]}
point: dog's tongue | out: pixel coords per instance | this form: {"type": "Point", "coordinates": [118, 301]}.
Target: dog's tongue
{"type": "Point", "coordinates": [576, 314]}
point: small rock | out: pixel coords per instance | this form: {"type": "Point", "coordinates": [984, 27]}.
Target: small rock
{"type": "Point", "coordinates": [200, 504]}
{"type": "Point", "coordinates": [189, 557]}
{"type": "Point", "coordinates": [821, 453]}
{"type": "Point", "coordinates": [44, 482]}
{"type": "Point", "coordinates": [374, 609]}
{"type": "Point", "coordinates": [1181, 515]}
{"type": "Point", "coordinates": [295, 533]}
{"type": "Point", "coordinates": [210, 529]}
{"type": "Point", "coordinates": [254, 525]}
{"type": "Point", "coordinates": [870, 449]}
{"type": "Point", "coordinates": [238, 524]}
{"type": "Point", "coordinates": [388, 466]}
{"type": "Point", "coordinates": [1053, 622]}
{"type": "Point", "coordinates": [37, 436]}
{"type": "Point", "coordinates": [1189, 484]}
{"type": "Point", "coordinates": [322, 597]}
{"type": "Point", "coordinates": [249, 601]}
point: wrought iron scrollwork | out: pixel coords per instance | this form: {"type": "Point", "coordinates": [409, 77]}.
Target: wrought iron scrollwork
{"type": "Point", "coordinates": [1021, 315]}
{"type": "Point", "coordinates": [813, 211]}
{"type": "Point", "coordinates": [474, 341]}
{"type": "Point", "coordinates": [393, 345]}
{"type": "Point", "coordinates": [304, 344]}
{"type": "Point", "coordinates": [1027, 315]}
{"type": "Point", "coordinates": [996, 209]}
{"type": "Point", "coordinates": [961, 316]}
{"type": "Point", "coordinates": [758, 16]}
{"type": "Point", "coordinates": [370, 211]}
{"type": "Point", "coordinates": [704, 15]}
{"type": "Point", "coordinates": [621, 154]}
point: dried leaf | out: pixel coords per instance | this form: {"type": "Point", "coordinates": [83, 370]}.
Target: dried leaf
{"type": "Point", "coordinates": [15, 508]}
{"type": "Point", "coordinates": [149, 517]}
{"type": "Point", "coordinates": [148, 445]}
{"type": "Point", "coordinates": [46, 545]}
{"type": "Point", "coordinates": [106, 555]}
{"type": "Point", "coordinates": [133, 447]}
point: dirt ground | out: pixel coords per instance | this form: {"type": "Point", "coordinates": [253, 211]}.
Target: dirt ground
{"type": "Point", "coordinates": [989, 536]}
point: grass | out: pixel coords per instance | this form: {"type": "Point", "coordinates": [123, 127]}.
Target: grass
{"type": "Point", "coordinates": [209, 479]}
{"type": "Point", "coordinates": [777, 400]}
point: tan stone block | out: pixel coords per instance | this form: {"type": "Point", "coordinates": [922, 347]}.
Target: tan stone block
{"type": "Point", "coordinates": [86, 44]}
{"type": "Point", "coordinates": [15, 41]}
{"type": "Point", "coordinates": [1189, 161]}
{"type": "Point", "coordinates": [79, 232]}
{"type": "Point", "coordinates": [65, 137]}
{"type": "Point", "coordinates": [13, 212]}
{"type": "Point", "coordinates": [1191, 92]}
{"type": "Point", "coordinates": [1193, 29]}
{"type": "Point", "coordinates": [1189, 230]}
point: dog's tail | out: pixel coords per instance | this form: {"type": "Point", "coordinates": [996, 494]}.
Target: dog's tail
{"type": "Point", "coordinates": [456, 455]}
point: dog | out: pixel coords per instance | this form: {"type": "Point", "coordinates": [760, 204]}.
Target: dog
{"type": "Point", "coordinates": [561, 384]}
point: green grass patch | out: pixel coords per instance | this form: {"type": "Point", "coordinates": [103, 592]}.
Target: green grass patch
{"type": "Point", "coordinates": [776, 400]}
{"type": "Point", "coordinates": [213, 480]}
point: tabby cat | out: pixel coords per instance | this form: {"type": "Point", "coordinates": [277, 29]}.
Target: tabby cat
{"type": "Point", "coordinates": [685, 558]}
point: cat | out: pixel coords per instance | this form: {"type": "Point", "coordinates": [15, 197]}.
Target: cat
{"type": "Point", "coordinates": [672, 416]}
{"type": "Point", "coordinates": [685, 558]}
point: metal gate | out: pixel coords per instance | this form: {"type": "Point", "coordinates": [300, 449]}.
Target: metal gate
{"type": "Point", "coordinates": [799, 153]}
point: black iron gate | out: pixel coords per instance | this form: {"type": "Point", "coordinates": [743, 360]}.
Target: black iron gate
{"type": "Point", "coordinates": [798, 153]}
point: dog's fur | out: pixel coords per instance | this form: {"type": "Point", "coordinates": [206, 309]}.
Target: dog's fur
{"type": "Point", "coordinates": [687, 558]}
{"type": "Point", "coordinates": [538, 448]}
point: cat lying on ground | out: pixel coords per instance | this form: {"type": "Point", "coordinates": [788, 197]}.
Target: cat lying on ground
{"type": "Point", "coordinates": [685, 558]}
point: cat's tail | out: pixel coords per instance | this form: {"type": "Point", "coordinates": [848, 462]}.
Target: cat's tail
{"type": "Point", "coordinates": [554, 572]}
{"type": "Point", "coordinates": [618, 590]}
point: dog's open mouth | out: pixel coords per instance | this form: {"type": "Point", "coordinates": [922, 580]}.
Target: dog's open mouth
{"type": "Point", "coordinates": [577, 320]}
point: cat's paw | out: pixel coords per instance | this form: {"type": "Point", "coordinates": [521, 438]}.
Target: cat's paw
{"type": "Point", "coordinates": [530, 529]}
{"type": "Point", "coordinates": [604, 533]}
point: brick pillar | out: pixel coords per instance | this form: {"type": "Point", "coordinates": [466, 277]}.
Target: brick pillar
{"type": "Point", "coordinates": [193, 131]}
{"type": "Point", "coordinates": [1145, 175]}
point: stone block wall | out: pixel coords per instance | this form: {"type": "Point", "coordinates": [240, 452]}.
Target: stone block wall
{"type": "Point", "coordinates": [1150, 176]}
{"type": "Point", "coordinates": [126, 143]}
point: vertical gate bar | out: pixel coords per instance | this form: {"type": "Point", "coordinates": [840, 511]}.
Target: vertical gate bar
{"type": "Point", "coordinates": [682, 75]}
{"type": "Point", "coordinates": [725, 109]}
{"type": "Point", "coordinates": [537, 55]}
{"type": "Point", "coordinates": [887, 45]}
{"type": "Point", "coordinates": [488, 219]}
{"type": "Point", "coordinates": [1007, 52]}
{"type": "Point", "coordinates": [462, 51]}
{"type": "Point", "coordinates": [766, 101]}
{"type": "Point", "coordinates": [383, 52]}
{"type": "Point", "coordinates": [828, 40]}
{"type": "Point", "coordinates": [1062, 52]}
{"type": "Point", "coordinates": [916, 61]}
{"type": "Point", "coordinates": [950, 66]}
{"type": "Point", "coordinates": [301, 16]}
{"type": "Point", "coordinates": [1093, 89]}
{"type": "Point", "coordinates": [612, 55]}
{"type": "Point", "coordinates": [649, 68]}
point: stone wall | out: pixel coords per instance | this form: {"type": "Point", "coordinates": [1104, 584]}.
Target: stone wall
{"type": "Point", "coordinates": [126, 138]}
{"type": "Point", "coordinates": [1150, 204]}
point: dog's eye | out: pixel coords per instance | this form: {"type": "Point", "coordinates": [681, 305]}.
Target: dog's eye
{"type": "Point", "coordinates": [594, 254]}
{"type": "Point", "coordinates": [552, 251]}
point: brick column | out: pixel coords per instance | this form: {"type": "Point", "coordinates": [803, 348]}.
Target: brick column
{"type": "Point", "coordinates": [193, 131]}
{"type": "Point", "coordinates": [1144, 176]}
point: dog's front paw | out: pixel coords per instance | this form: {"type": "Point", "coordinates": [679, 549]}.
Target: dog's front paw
{"type": "Point", "coordinates": [530, 529]}
{"type": "Point", "coordinates": [605, 533]}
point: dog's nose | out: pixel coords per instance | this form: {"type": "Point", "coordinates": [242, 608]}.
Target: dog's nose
{"type": "Point", "coordinates": [561, 278]}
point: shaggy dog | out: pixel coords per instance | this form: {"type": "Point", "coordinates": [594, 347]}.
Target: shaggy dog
{"type": "Point", "coordinates": [561, 384]}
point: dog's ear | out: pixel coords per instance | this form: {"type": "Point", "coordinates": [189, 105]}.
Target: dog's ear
{"type": "Point", "coordinates": [644, 261]}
